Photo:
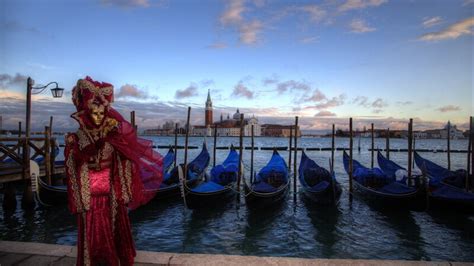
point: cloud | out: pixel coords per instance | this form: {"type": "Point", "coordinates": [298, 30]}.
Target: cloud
{"type": "Point", "coordinates": [448, 108]}
{"type": "Point", "coordinates": [186, 93]}
{"type": "Point", "coordinates": [270, 81]}
{"type": "Point", "coordinates": [325, 114]}
{"type": "Point", "coordinates": [315, 12]}
{"type": "Point", "coordinates": [359, 4]}
{"type": "Point", "coordinates": [248, 32]}
{"type": "Point", "coordinates": [132, 3]}
{"type": "Point", "coordinates": [9, 80]}
{"type": "Point", "coordinates": [361, 100]}
{"type": "Point", "coordinates": [308, 40]}
{"type": "Point", "coordinates": [207, 82]}
{"type": "Point", "coordinates": [430, 22]}
{"type": "Point", "coordinates": [217, 45]}
{"type": "Point", "coordinates": [404, 103]}
{"type": "Point", "coordinates": [240, 90]}
{"type": "Point", "coordinates": [233, 16]}
{"type": "Point", "coordinates": [454, 31]}
{"type": "Point", "coordinates": [327, 103]}
{"type": "Point", "coordinates": [233, 13]}
{"type": "Point", "coordinates": [317, 96]}
{"type": "Point", "coordinates": [292, 85]}
{"type": "Point", "coordinates": [360, 26]}
{"type": "Point", "coordinates": [379, 103]}
{"type": "Point", "coordinates": [18, 27]}
{"type": "Point", "coordinates": [468, 2]}
{"type": "Point", "coordinates": [132, 91]}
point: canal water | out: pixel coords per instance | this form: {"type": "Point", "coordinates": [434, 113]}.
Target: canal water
{"type": "Point", "coordinates": [353, 229]}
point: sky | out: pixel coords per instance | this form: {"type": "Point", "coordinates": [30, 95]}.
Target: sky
{"type": "Point", "coordinates": [378, 61]}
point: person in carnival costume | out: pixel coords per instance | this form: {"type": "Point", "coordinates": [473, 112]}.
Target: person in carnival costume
{"type": "Point", "coordinates": [109, 170]}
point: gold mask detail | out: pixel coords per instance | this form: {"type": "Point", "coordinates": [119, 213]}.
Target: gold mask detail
{"type": "Point", "coordinates": [97, 114]}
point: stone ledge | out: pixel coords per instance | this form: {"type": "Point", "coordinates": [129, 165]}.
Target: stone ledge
{"type": "Point", "coordinates": [23, 249]}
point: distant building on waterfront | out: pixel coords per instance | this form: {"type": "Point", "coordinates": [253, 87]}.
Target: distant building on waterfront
{"type": "Point", "coordinates": [275, 130]}
{"type": "Point", "coordinates": [229, 127]}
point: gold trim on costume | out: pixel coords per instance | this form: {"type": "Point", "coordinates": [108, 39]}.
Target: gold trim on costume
{"type": "Point", "coordinates": [85, 188]}
{"type": "Point", "coordinates": [128, 179]}
{"type": "Point", "coordinates": [71, 168]}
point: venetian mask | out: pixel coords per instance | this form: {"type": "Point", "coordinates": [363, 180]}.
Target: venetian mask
{"type": "Point", "coordinates": [97, 114]}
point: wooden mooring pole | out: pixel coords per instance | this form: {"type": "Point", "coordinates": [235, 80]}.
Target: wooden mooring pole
{"type": "Point", "coordinates": [251, 155]}
{"type": "Point", "coordinates": [239, 177]}
{"type": "Point", "coordinates": [175, 143]}
{"type": "Point", "coordinates": [47, 153]}
{"type": "Point", "coordinates": [294, 156]}
{"type": "Point", "coordinates": [333, 145]}
{"type": "Point", "coordinates": [186, 146]}
{"type": "Point", "coordinates": [449, 144]}
{"type": "Point", "coordinates": [350, 155]}
{"type": "Point", "coordinates": [372, 151]}
{"type": "Point", "coordinates": [387, 144]}
{"type": "Point", "coordinates": [410, 151]}
{"type": "Point", "coordinates": [215, 145]}
{"type": "Point", "coordinates": [470, 157]}
{"type": "Point", "coordinates": [289, 148]}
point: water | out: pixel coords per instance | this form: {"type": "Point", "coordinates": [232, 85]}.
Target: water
{"type": "Point", "coordinates": [295, 229]}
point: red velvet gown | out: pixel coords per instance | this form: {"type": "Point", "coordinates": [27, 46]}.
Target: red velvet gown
{"type": "Point", "coordinates": [108, 172]}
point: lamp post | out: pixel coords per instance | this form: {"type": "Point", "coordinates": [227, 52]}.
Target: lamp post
{"type": "Point", "coordinates": [28, 201]}
{"type": "Point", "coordinates": [57, 93]}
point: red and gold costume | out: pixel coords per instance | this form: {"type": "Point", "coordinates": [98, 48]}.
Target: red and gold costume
{"type": "Point", "coordinates": [109, 170]}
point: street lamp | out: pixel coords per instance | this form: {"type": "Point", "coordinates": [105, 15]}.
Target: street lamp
{"type": "Point", "coordinates": [56, 91]}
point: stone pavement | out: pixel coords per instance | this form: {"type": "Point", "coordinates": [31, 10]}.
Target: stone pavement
{"type": "Point", "coordinates": [39, 254]}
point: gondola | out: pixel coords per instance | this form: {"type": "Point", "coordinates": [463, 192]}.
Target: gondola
{"type": "Point", "coordinates": [170, 186]}
{"type": "Point", "coordinates": [318, 184]}
{"type": "Point", "coordinates": [48, 195]}
{"type": "Point", "coordinates": [270, 185]}
{"type": "Point", "coordinates": [382, 190]}
{"type": "Point", "coordinates": [446, 189]}
{"type": "Point", "coordinates": [219, 188]}
{"type": "Point", "coordinates": [168, 160]}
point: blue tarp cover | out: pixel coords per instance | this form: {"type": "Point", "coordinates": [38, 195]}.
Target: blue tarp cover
{"type": "Point", "coordinates": [207, 187]}
{"type": "Point", "coordinates": [321, 186]}
{"type": "Point", "coordinates": [263, 187]}
{"type": "Point", "coordinates": [226, 172]}
{"type": "Point", "coordinates": [448, 192]}
{"type": "Point", "coordinates": [397, 188]}
{"type": "Point", "coordinates": [274, 174]}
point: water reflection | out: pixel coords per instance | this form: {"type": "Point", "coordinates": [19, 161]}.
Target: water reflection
{"type": "Point", "coordinates": [259, 222]}
{"type": "Point", "coordinates": [325, 221]}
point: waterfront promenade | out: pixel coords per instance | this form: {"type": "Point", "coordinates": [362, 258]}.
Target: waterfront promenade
{"type": "Point", "coordinates": [39, 254]}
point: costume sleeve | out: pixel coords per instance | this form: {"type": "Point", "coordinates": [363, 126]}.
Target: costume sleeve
{"type": "Point", "coordinates": [73, 180]}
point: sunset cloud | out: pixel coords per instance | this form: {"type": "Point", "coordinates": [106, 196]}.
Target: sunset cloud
{"type": "Point", "coordinates": [360, 4]}
{"type": "Point", "coordinates": [291, 85]}
{"type": "Point", "coordinates": [325, 114]}
{"type": "Point", "coordinates": [240, 90]}
{"type": "Point", "coordinates": [249, 32]}
{"type": "Point", "coordinates": [314, 12]}
{"type": "Point", "coordinates": [190, 91]}
{"type": "Point", "coordinates": [430, 22]}
{"type": "Point", "coordinates": [9, 80]}
{"type": "Point", "coordinates": [132, 3]}
{"type": "Point", "coordinates": [454, 31]}
{"type": "Point", "coordinates": [233, 13]}
{"type": "Point", "coordinates": [360, 26]}
{"type": "Point", "coordinates": [128, 90]}
{"type": "Point", "coordinates": [448, 108]}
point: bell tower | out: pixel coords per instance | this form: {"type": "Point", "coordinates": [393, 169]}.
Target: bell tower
{"type": "Point", "coordinates": [208, 115]}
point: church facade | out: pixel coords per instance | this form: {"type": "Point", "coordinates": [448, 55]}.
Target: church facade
{"type": "Point", "coordinates": [229, 127]}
